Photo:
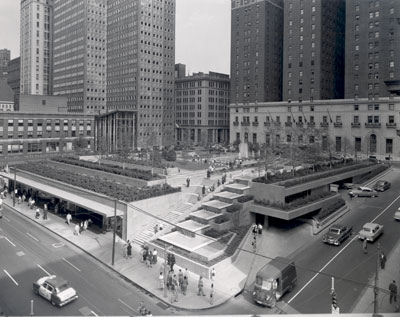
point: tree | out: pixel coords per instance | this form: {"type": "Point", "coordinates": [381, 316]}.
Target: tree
{"type": "Point", "coordinates": [236, 144]}
{"type": "Point", "coordinates": [80, 144]}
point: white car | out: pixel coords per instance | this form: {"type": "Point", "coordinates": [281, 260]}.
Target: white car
{"type": "Point", "coordinates": [397, 214]}
{"type": "Point", "coordinates": [363, 191]}
{"type": "Point", "coordinates": [370, 231]}
{"type": "Point", "coordinates": [55, 290]}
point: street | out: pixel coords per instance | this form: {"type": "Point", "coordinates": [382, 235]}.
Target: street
{"type": "Point", "coordinates": [352, 269]}
{"type": "Point", "coordinates": [29, 252]}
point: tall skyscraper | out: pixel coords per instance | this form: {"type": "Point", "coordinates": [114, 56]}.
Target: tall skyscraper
{"type": "Point", "coordinates": [140, 66]}
{"type": "Point", "coordinates": [80, 52]}
{"type": "Point", "coordinates": [36, 46]}
{"type": "Point", "coordinates": [372, 48]}
{"type": "Point", "coordinates": [4, 59]}
{"type": "Point", "coordinates": [314, 49]}
{"type": "Point", "coordinates": [256, 50]}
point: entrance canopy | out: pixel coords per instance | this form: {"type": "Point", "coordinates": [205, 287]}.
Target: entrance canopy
{"type": "Point", "coordinates": [76, 199]}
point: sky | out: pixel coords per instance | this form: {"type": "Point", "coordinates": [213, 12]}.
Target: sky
{"type": "Point", "coordinates": [202, 33]}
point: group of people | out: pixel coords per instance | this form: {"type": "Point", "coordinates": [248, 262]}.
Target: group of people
{"type": "Point", "coordinates": [143, 311]}
{"type": "Point", "coordinates": [147, 256]}
{"type": "Point", "coordinates": [174, 283]}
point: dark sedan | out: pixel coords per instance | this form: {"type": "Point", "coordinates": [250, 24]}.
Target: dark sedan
{"type": "Point", "coordinates": [337, 234]}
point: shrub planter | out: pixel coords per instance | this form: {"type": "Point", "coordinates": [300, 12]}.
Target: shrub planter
{"type": "Point", "coordinates": [224, 226]}
{"type": "Point", "coordinates": [318, 226]}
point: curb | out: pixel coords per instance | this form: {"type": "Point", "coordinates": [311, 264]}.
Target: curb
{"type": "Point", "coordinates": [118, 273]}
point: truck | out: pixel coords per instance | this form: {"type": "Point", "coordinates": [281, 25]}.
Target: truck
{"type": "Point", "coordinates": [274, 280]}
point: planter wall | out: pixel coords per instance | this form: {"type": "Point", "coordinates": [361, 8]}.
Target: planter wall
{"type": "Point", "coordinates": [156, 170]}
{"type": "Point", "coordinates": [224, 226]}
{"type": "Point", "coordinates": [294, 213]}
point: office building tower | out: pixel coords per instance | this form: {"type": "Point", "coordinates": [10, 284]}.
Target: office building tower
{"type": "Point", "coordinates": [202, 101]}
{"type": "Point", "coordinates": [36, 46]}
{"type": "Point", "coordinates": [140, 67]}
{"type": "Point", "coordinates": [256, 50]}
{"type": "Point", "coordinates": [4, 59]}
{"type": "Point", "coordinates": [13, 79]}
{"type": "Point", "coordinates": [372, 49]}
{"type": "Point", "coordinates": [314, 48]}
{"type": "Point", "coordinates": [80, 31]}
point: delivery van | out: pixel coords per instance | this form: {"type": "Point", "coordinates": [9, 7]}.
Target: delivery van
{"type": "Point", "coordinates": [273, 280]}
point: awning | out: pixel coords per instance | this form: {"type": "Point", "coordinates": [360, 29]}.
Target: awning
{"type": "Point", "coordinates": [78, 200]}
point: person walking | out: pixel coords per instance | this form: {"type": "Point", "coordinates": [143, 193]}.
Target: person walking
{"type": "Point", "coordinates": [77, 230]}
{"type": "Point", "coordinates": [212, 294]}
{"type": "Point", "coordinates": [45, 211]}
{"type": "Point", "coordinates": [260, 227]}
{"type": "Point", "coordinates": [149, 259]}
{"type": "Point", "coordinates": [68, 218]}
{"type": "Point", "coordinates": [365, 246]}
{"type": "Point", "coordinates": [129, 250]}
{"type": "Point", "coordinates": [203, 190]}
{"type": "Point", "coordinates": [200, 285]}
{"type": "Point", "coordinates": [393, 292]}
{"type": "Point", "coordinates": [174, 289]}
{"type": "Point", "coordinates": [180, 278]}
{"type": "Point", "coordinates": [161, 281]}
{"type": "Point", "coordinates": [37, 216]}
{"type": "Point", "coordinates": [184, 285]}
{"type": "Point", "coordinates": [254, 244]}
{"type": "Point", "coordinates": [382, 259]}
{"type": "Point", "coordinates": [212, 274]}
{"type": "Point", "coordinates": [169, 279]}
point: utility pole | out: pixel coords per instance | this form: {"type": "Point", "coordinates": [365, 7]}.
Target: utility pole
{"type": "Point", "coordinates": [335, 307]}
{"type": "Point", "coordinates": [32, 307]}
{"type": "Point", "coordinates": [15, 185]}
{"type": "Point", "coordinates": [114, 231]}
{"type": "Point", "coordinates": [165, 269]}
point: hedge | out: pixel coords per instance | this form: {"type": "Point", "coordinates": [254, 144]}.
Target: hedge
{"type": "Point", "coordinates": [221, 219]}
{"type": "Point", "coordinates": [97, 184]}
{"type": "Point", "coordinates": [326, 211]}
{"type": "Point", "coordinates": [245, 198]}
{"type": "Point", "coordinates": [133, 173]}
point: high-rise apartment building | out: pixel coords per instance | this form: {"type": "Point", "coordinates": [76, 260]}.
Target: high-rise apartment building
{"type": "Point", "coordinates": [140, 66]}
{"type": "Point", "coordinates": [4, 59]}
{"type": "Point", "coordinates": [80, 52]}
{"type": "Point", "coordinates": [372, 48]}
{"type": "Point", "coordinates": [256, 50]}
{"type": "Point", "coordinates": [36, 46]}
{"type": "Point", "coordinates": [202, 101]}
{"type": "Point", "coordinates": [314, 49]}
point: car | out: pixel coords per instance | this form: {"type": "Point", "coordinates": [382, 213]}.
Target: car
{"type": "Point", "coordinates": [55, 289]}
{"type": "Point", "coordinates": [347, 186]}
{"type": "Point", "coordinates": [397, 214]}
{"type": "Point", "coordinates": [370, 231]}
{"type": "Point", "coordinates": [336, 234]}
{"type": "Point", "coordinates": [382, 185]}
{"type": "Point", "coordinates": [363, 191]}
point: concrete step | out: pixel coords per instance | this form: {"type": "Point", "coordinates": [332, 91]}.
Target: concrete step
{"type": "Point", "coordinates": [227, 196]}
{"type": "Point", "coordinates": [204, 216]}
{"type": "Point", "coordinates": [215, 206]}
{"type": "Point", "coordinates": [238, 188]}
{"type": "Point", "coordinates": [143, 236]}
{"type": "Point", "coordinates": [192, 226]}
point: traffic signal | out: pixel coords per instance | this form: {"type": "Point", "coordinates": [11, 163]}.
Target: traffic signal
{"type": "Point", "coordinates": [169, 258]}
{"type": "Point", "coordinates": [334, 300]}
{"type": "Point", "coordinates": [172, 260]}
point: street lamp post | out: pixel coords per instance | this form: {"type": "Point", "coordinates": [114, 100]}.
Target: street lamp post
{"type": "Point", "coordinates": [114, 231]}
{"type": "Point", "coordinates": [376, 281]}
{"type": "Point", "coordinates": [165, 269]}
{"type": "Point", "coordinates": [15, 185]}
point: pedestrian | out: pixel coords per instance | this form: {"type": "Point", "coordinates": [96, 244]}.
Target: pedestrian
{"type": "Point", "coordinates": [254, 229]}
{"type": "Point", "coordinates": [81, 227]}
{"type": "Point", "coordinates": [68, 218]}
{"type": "Point", "coordinates": [175, 288]}
{"type": "Point", "coordinates": [382, 258]}
{"type": "Point", "coordinates": [212, 274]}
{"type": "Point", "coordinates": [149, 259]}
{"type": "Point", "coordinates": [37, 216]}
{"type": "Point", "coordinates": [203, 190]}
{"type": "Point", "coordinates": [154, 256]}
{"type": "Point", "coordinates": [184, 285]}
{"type": "Point", "coordinates": [161, 281]}
{"type": "Point", "coordinates": [254, 244]}
{"type": "Point", "coordinates": [86, 224]}
{"type": "Point", "coordinates": [125, 250]}
{"type": "Point", "coordinates": [142, 308]}
{"type": "Point", "coordinates": [32, 203]}
{"type": "Point", "coordinates": [393, 291]}
{"type": "Point", "coordinates": [77, 230]}
{"type": "Point", "coordinates": [260, 227]}
{"type": "Point", "coordinates": [19, 200]}
{"type": "Point", "coordinates": [156, 228]}
{"type": "Point", "coordinates": [218, 183]}
{"type": "Point", "coordinates": [45, 211]}
{"type": "Point", "coordinates": [212, 294]}
{"type": "Point", "coordinates": [23, 197]}
{"type": "Point", "coordinates": [169, 279]}
{"type": "Point", "coordinates": [365, 246]}
{"type": "Point", "coordinates": [200, 285]}
{"type": "Point", "coordinates": [129, 250]}
{"type": "Point", "coordinates": [186, 273]}
{"type": "Point", "coordinates": [180, 278]}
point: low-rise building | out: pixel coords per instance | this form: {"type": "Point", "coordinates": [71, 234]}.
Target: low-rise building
{"type": "Point", "coordinates": [202, 114]}
{"type": "Point", "coordinates": [356, 127]}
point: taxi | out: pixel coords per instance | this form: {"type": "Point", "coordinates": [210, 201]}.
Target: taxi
{"type": "Point", "coordinates": [56, 290]}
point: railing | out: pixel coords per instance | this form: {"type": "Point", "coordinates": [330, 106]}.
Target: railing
{"type": "Point", "coordinates": [372, 125]}
{"type": "Point", "coordinates": [245, 123]}
{"type": "Point", "coordinates": [324, 124]}
{"type": "Point", "coordinates": [299, 124]}
{"type": "Point", "coordinates": [338, 124]}
{"type": "Point", "coordinates": [391, 125]}
{"type": "Point", "coordinates": [355, 124]}
{"type": "Point", "coordinates": [311, 124]}
{"type": "Point", "coordinates": [235, 123]}
{"type": "Point", "coordinates": [288, 124]}
{"type": "Point", "coordinates": [255, 123]}
{"type": "Point", "coordinates": [267, 124]}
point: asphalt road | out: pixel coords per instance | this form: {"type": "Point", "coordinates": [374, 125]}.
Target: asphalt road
{"type": "Point", "coordinates": [353, 270]}
{"type": "Point", "coordinates": [28, 252]}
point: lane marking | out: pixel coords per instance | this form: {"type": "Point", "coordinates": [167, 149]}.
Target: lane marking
{"type": "Point", "coordinates": [9, 241]}
{"type": "Point", "coordinates": [36, 239]}
{"type": "Point", "coordinates": [92, 312]}
{"type": "Point", "coordinates": [122, 302]}
{"type": "Point", "coordinates": [12, 279]}
{"type": "Point", "coordinates": [64, 259]}
{"type": "Point", "coordinates": [6, 219]}
{"type": "Point", "coordinates": [40, 267]}
{"type": "Point", "coordinates": [344, 248]}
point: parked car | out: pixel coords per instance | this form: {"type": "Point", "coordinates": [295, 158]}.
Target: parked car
{"type": "Point", "coordinates": [363, 192]}
{"type": "Point", "coordinates": [370, 231]}
{"type": "Point", "coordinates": [382, 185]}
{"type": "Point", "coordinates": [397, 214]}
{"type": "Point", "coordinates": [347, 186]}
{"type": "Point", "coordinates": [56, 290]}
{"type": "Point", "coordinates": [337, 234]}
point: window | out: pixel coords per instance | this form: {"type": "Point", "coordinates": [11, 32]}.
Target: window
{"type": "Point", "coordinates": [356, 119]}
{"type": "Point", "coordinates": [289, 138]}
{"type": "Point", "coordinates": [391, 119]}
{"type": "Point", "coordinates": [311, 139]}
{"type": "Point", "coordinates": [357, 144]}
{"type": "Point", "coordinates": [338, 144]}
{"type": "Point", "coordinates": [356, 107]}
{"type": "Point", "coordinates": [389, 146]}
